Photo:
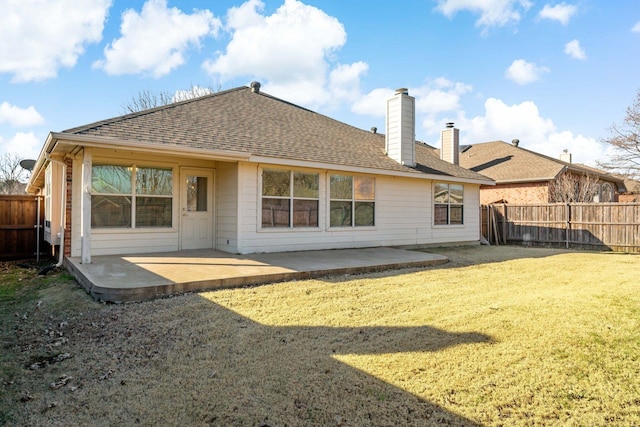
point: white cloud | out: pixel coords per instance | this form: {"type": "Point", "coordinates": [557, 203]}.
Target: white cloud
{"type": "Point", "coordinates": [435, 96]}
{"type": "Point", "coordinates": [506, 122]}
{"type": "Point", "coordinates": [583, 149]}
{"type": "Point", "coordinates": [291, 51]}
{"type": "Point", "coordinates": [193, 92]}
{"type": "Point", "coordinates": [26, 145]}
{"type": "Point", "coordinates": [156, 39]}
{"type": "Point", "coordinates": [373, 103]}
{"type": "Point", "coordinates": [636, 28]}
{"type": "Point", "coordinates": [493, 13]}
{"type": "Point", "coordinates": [439, 95]}
{"type": "Point", "coordinates": [344, 81]}
{"type": "Point", "coordinates": [19, 117]}
{"type": "Point", "coordinates": [41, 36]}
{"type": "Point", "coordinates": [574, 50]}
{"type": "Point", "coordinates": [561, 12]}
{"type": "Point", "coordinates": [523, 72]}
{"type": "Point", "coordinates": [536, 133]}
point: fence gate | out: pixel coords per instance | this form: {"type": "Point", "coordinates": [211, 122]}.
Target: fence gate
{"type": "Point", "coordinates": [21, 227]}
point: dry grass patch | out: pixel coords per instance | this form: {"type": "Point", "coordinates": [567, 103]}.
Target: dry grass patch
{"type": "Point", "coordinates": [499, 336]}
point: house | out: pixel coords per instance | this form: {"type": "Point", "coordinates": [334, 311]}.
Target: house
{"type": "Point", "coordinates": [631, 193]}
{"type": "Point", "coordinates": [241, 171]}
{"type": "Point", "coordinates": [524, 176]}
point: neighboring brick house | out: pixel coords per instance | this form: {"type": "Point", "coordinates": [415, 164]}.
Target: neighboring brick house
{"type": "Point", "coordinates": [632, 194]}
{"type": "Point", "coordinates": [524, 176]}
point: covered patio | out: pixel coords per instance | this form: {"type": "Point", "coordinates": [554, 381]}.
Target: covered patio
{"type": "Point", "coordinates": [125, 278]}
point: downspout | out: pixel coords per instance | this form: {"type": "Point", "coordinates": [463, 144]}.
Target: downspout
{"type": "Point", "coordinates": [38, 227]}
{"type": "Point", "coordinates": [63, 204]}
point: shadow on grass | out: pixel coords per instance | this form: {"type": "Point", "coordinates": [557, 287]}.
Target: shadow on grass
{"type": "Point", "coordinates": [191, 361]}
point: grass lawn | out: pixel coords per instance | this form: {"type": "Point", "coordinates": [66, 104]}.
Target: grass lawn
{"type": "Point", "coordinates": [499, 336]}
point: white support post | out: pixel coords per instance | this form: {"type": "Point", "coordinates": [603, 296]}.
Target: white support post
{"type": "Point", "coordinates": [85, 209]}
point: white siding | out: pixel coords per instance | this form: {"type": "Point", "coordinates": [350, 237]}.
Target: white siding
{"type": "Point", "coordinates": [403, 209]}
{"type": "Point", "coordinates": [76, 215]}
{"type": "Point", "coordinates": [400, 134]}
{"type": "Point", "coordinates": [403, 218]}
{"type": "Point", "coordinates": [227, 207]}
{"type": "Point", "coordinates": [116, 241]}
{"type": "Point", "coordinates": [470, 231]}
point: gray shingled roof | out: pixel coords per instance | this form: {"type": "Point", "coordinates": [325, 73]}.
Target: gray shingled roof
{"type": "Point", "coordinates": [240, 120]}
{"type": "Point", "coordinates": [506, 163]}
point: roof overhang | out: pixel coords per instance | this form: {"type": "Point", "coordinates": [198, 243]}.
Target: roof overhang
{"type": "Point", "coordinates": [364, 170]}
{"type": "Point", "coordinates": [61, 144]}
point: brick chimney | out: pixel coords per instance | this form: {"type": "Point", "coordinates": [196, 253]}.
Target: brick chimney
{"type": "Point", "coordinates": [401, 128]}
{"type": "Point", "coordinates": [450, 138]}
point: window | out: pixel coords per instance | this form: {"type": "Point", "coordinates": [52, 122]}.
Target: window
{"type": "Point", "coordinates": [606, 193]}
{"type": "Point", "coordinates": [448, 204]}
{"type": "Point", "coordinates": [290, 198]}
{"type": "Point", "coordinates": [352, 201]}
{"type": "Point", "coordinates": [131, 196]}
{"type": "Point", "coordinates": [196, 193]}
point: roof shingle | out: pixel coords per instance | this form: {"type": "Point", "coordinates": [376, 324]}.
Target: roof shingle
{"type": "Point", "coordinates": [259, 124]}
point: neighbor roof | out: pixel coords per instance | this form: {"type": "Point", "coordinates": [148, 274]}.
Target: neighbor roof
{"type": "Point", "coordinates": [507, 163]}
{"type": "Point", "coordinates": [242, 121]}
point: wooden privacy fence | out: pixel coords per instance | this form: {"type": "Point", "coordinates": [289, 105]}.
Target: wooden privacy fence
{"type": "Point", "coordinates": [20, 236]}
{"type": "Point", "coordinates": [599, 226]}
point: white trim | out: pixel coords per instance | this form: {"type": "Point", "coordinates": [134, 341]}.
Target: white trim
{"type": "Point", "coordinates": [85, 208]}
{"type": "Point", "coordinates": [368, 171]}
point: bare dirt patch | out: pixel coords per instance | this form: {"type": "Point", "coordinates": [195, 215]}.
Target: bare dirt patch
{"type": "Point", "coordinates": [500, 336]}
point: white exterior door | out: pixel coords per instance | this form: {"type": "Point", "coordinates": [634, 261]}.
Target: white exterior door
{"type": "Point", "coordinates": [196, 209]}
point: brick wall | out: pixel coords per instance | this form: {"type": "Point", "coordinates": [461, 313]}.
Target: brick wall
{"type": "Point", "coordinates": [515, 193]}
{"type": "Point", "coordinates": [629, 198]}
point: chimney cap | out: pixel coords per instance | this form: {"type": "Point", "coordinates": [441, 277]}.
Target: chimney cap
{"type": "Point", "coordinates": [255, 87]}
{"type": "Point", "coordinates": [515, 142]}
{"type": "Point", "coordinates": [450, 124]}
{"type": "Point", "coordinates": [402, 91]}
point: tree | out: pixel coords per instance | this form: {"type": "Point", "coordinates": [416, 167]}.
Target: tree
{"type": "Point", "coordinates": [625, 144]}
{"type": "Point", "coordinates": [574, 188]}
{"type": "Point", "coordinates": [12, 175]}
{"type": "Point", "coordinates": [145, 99]}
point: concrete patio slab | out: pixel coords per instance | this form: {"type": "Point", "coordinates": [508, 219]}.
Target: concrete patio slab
{"type": "Point", "coordinates": [125, 278]}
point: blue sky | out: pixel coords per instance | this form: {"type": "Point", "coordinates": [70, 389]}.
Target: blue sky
{"type": "Point", "coordinates": [555, 75]}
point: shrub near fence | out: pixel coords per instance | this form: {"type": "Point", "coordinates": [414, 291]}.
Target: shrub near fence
{"type": "Point", "coordinates": [598, 226]}
{"type": "Point", "coordinates": [18, 227]}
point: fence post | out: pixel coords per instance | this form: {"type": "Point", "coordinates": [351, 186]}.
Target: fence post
{"type": "Point", "coordinates": [568, 226]}
{"type": "Point", "coordinates": [504, 223]}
